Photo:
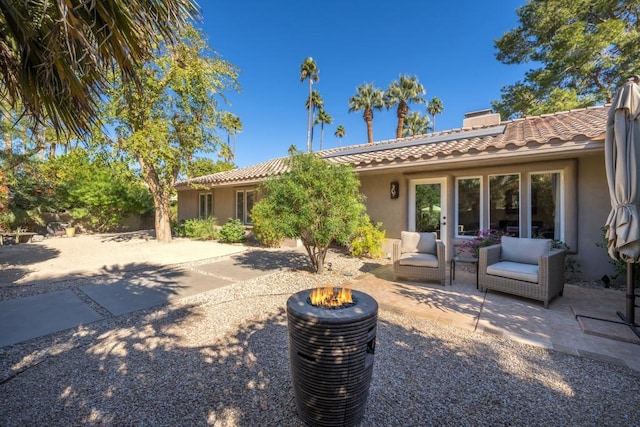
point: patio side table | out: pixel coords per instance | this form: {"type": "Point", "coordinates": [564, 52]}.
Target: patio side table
{"type": "Point", "coordinates": [464, 259]}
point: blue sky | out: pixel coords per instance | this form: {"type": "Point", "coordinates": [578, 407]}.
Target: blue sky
{"type": "Point", "coordinates": [448, 45]}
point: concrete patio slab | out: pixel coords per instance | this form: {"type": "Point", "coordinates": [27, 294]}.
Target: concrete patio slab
{"type": "Point", "coordinates": [124, 297]}
{"type": "Point", "coordinates": [35, 316]}
{"type": "Point", "coordinates": [508, 316]}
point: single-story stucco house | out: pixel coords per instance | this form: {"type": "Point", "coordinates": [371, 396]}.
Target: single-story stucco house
{"type": "Point", "coordinates": [541, 175]}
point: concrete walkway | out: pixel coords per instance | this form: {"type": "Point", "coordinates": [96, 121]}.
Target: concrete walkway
{"type": "Point", "coordinates": [31, 317]}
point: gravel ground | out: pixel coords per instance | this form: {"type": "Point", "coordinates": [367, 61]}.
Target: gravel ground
{"type": "Point", "coordinates": [221, 359]}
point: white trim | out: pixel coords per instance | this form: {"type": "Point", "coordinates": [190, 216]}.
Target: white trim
{"type": "Point", "coordinates": [560, 210]}
{"type": "Point", "coordinates": [519, 174]}
{"type": "Point", "coordinates": [411, 219]}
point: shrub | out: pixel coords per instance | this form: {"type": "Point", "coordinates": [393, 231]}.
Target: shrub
{"type": "Point", "coordinates": [571, 265]}
{"type": "Point", "coordinates": [202, 229]}
{"type": "Point", "coordinates": [232, 231]}
{"type": "Point", "coordinates": [367, 240]}
{"type": "Point", "coordinates": [482, 239]}
{"type": "Point", "coordinates": [262, 230]}
{"type": "Point", "coordinates": [619, 265]}
{"type": "Point", "coordinates": [316, 201]}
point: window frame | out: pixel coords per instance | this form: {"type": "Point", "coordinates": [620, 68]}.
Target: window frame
{"type": "Point", "coordinates": [208, 204]}
{"type": "Point", "coordinates": [520, 190]}
{"type": "Point", "coordinates": [560, 210]}
{"type": "Point", "coordinates": [457, 200]}
{"type": "Point", "coordinates": [245, 215]}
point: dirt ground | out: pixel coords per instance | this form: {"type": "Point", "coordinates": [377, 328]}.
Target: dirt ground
{"type": "Point", "coordinates": [57, 258]}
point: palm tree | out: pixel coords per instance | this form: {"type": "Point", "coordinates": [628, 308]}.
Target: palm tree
{"type": "Point", "coordinates": [313, 101]}
{"type": "Point", "coordinates": [232, 124]}
{"type": "Point", "coordinates": [415, 124]}
{"type": "Point", "coordinates": [339, 133]}
{"type": "Point", "coordinates": [322, 119]}
{"type": "Point", "coordinates": [56, 57]}
{"type": "Point", "coordinates": [434, 108]}
{"type": "Point", "coordinates": [366, 100]}
{"type": "Point", "coordinates": [309, 70]}
{"type": "Point", "coordinates": [401, 93]}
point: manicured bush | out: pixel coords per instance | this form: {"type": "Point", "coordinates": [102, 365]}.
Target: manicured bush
{"type": "Point", "coordinates": [232, 231]}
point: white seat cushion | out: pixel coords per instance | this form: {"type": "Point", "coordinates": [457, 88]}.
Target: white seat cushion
{"type": "Point", "coordinates": [417, 259]}
{"type": "Point", "coordinates": [514, 270]}
{"type": "Point", "coordinates": [523, 250]}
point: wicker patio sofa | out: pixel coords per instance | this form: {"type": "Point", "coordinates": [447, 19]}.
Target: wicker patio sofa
{"type": "Point", "coordinates": [419, 256]}
{"type": "Point", "coordinates": [526, 267]}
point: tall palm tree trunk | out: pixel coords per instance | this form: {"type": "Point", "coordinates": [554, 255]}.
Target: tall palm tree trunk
{"type": "Point", "coordinates": [310, 118]}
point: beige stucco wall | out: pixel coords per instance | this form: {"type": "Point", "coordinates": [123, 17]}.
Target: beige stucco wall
{"type": "Point", "coordinates": [224, 205]}
{"type": "Point", "coordinates": [187, 204]}
{"type": "Point", "coordinates": [593, 208]}
{"type": "Point", "coordinates": [380, 207]}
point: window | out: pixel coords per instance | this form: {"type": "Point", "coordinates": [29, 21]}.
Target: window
{"type": "Point", "coordinates": [468, 206]}
{"type": "Point", "coordinates": [205, 205]}
{"type": "Point", "coordinates": [546, 204]}
{"type": "Point", "coordinates": [244, 205]}
{"type": "Point", "coordinates": [504, 203]}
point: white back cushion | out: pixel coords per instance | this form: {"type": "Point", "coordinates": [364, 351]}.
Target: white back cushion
{"type": "Point", "coordinates": [418, 242]}
{"type": "Point", "coordinates": [524, 250]}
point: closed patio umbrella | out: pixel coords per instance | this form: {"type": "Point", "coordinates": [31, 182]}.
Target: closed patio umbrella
{"type": "Point", "coordinates": [622, 163]}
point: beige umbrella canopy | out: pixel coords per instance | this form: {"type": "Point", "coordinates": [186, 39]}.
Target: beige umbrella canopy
{"type": "Point", "coordinates": [622, 163]}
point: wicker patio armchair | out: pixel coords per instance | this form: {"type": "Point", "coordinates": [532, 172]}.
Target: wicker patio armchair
{"type": "Point", "coordinates": [524, 267]}
{"type": "Point", "coordinates": [419, 256]}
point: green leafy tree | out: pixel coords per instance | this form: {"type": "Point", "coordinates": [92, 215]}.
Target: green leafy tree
{"type": "Point", "coordinates": [323, 119]}
{"type": "Point", "coordinates": [316, 201]}
{"type": "Point", "coordinates": [99, 190]}
{"type": "Point", "coordinates": [340, 133]}
{"type": "Point", "coordinates": [206, 166]}
{"type": "Point", "coordinates": [415, 124]}
{"type": "Point", "coordinates": [367, 99]}
{"type": "Point", "coordinates": [434, 107]}
{"type": "Point", "coordinates": [401, 93]}
{"type": "Point", "coordinates": [56, 56]}
{"type": "Point", "coordinates": [585, 48]}
{"type": "Point", "coordinates": [171, 116]}
{"type": "Point", "coordinates": [309, 71]}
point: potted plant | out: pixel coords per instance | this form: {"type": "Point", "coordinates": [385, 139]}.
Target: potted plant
{"type": "Point", "coordinates": [70, 230]}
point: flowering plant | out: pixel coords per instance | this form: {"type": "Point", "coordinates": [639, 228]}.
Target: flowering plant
{"type": "Point", "coordinates": [482, 239]}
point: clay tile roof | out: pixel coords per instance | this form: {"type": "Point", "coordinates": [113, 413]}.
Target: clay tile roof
{"type": "Point", "coordinates": [567, 126]}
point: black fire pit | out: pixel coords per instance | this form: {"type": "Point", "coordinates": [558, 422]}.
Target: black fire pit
{"type": "Point", "coordinates": [331, 353]}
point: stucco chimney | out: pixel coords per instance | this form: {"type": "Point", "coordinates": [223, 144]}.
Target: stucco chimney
{"type": "Point", "coordinates": [480, 118]}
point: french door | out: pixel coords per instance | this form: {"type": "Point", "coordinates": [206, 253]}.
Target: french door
{"type": "Point", "coordinates": [427, 206]}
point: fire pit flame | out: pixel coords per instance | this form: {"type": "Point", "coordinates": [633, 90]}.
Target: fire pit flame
{"type": "Point", "coordinates": [331, 298]}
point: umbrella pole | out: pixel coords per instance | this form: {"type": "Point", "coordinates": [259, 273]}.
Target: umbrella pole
{"type": "Point", "coordinates": [631, 288]}
{"type": "Point", "coordinates": [630, 318]}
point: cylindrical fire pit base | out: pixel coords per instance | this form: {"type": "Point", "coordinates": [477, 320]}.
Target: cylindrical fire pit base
{"type": "Point", "coordinates": [331, 353]}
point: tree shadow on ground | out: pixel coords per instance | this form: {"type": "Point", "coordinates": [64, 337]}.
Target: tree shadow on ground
{"type": "Point", "coordinates": [432, 294]}
{"type": "Point", "coordinates": [134, 279]}
{"type": "Point", "coordinates": [130, 236]}
{"type": "Point", "coordinates": [198, 366]}
{"type": "Point", "coordinates": [271, 260]}
{"type": "Point", "coordinates": [15, 260]}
